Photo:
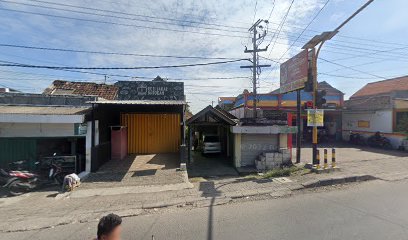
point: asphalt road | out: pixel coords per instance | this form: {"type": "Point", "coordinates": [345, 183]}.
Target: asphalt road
{"type": "Point", "coordinates": [371, 210]}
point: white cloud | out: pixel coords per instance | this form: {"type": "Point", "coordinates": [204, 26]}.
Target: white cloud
{"type": "Point", "coordinates": [46, 31]}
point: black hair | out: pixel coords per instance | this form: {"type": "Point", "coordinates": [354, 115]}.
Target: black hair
{"type": "Point", "coordinates": [108, 223]}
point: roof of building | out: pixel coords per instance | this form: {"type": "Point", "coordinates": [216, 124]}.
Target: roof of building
{"type": "Point", "coordinates": [330, 90]}
{"type": "Point", "coordinates": [141, 102]}
{"type": "Point", "coordinates": [11, 90]}
{"type": "Point", "coordinates": [219, 114]}
{"type": "Point", "coordinates": [43, 99]}
{"type": "Point", "coordinates": [105, 91]}
{"type": "Point", "coordinates": [383, 87]}
{"type": "Point", "coordinates": [42, 110]}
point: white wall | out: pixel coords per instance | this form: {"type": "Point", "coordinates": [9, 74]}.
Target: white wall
{"type": "Point", "coordinates": [36, 129]}
{"type": "Point", "coordinates": [238, 112]}
{"type": "Point", "coordinates": [379, 121]}
{"type": "Point", "coordinates": [88, 144]}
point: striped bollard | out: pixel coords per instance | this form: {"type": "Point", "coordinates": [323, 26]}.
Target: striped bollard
{"type": "Point", "coordinates": [333, 158]}
{"type": "Point", "coordinates": [318, 159]}
{"type": "Point", "coordinates": [325, 159]}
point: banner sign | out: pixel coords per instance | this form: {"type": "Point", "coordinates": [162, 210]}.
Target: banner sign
{"type": "Point", "coordinates": [294, 72]}
{"type": "Point", "coordinates": [150, 90]}
{"type": "Point", "coordinates": [315, 117]}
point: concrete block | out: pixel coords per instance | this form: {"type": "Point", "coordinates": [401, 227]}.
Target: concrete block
{"type": "Point", "coordinates": [269, 154]}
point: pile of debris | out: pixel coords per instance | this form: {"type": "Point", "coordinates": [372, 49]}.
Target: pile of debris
{"type": "Point", "coordinates": [271, 160]}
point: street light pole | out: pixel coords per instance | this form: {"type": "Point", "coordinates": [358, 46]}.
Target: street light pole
{"type": "Point", "coordinates": [319, 40]}
{"type": "Point", "coordinates": [314, 141]}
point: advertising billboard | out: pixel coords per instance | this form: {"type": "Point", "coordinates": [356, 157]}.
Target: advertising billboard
{"type": "Point", "coordinates": [294, 72]}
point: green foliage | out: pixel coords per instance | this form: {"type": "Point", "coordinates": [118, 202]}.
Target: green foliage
{"type": "Point", "coordinates": [402, 124]}
{"type": "Point", "coordinates": [281, 172]}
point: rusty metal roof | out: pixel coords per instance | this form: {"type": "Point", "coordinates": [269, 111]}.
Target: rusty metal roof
{"type": "Point", "coordinates": [42, 110]}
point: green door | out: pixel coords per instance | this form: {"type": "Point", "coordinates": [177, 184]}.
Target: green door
{"type": "Point", "coordinates": [17, 149]}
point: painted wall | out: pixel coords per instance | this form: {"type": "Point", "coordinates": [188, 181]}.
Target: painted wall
{"type": "Point", "coordinates": [37, 129]}
{"type": "Point", "coordinates": [247, 147]}
{"type": "Point", "coordinates": [381, 121]}
{"type": "Point", "coordinates": [377, 121]}
{"type": "Point", "coordinates": [287, 99]}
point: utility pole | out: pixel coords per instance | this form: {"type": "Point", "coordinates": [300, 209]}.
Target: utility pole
{"type": "Point", "coordinates": [299, 132]}
{"type": "Point", "coordinates": [255, 65]}
{"type": "Point", "coordinates": [319, 40]}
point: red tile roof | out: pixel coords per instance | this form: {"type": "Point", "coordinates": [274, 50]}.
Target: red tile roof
{"type": "Point", "coordinates": [58, 87]}
{"type": "Point", "coordinates": [383, 87]}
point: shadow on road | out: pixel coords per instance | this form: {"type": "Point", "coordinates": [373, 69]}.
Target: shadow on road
{"type": "Point", "coordinates": [206, 188]}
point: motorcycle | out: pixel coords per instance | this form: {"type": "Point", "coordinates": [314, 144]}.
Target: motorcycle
{"type": "Point", "coordinates": [356, 138]}
{"type": "Point", "coordinates": [378, 140]}
{"type": "Point", "coordinates": [18, 182]}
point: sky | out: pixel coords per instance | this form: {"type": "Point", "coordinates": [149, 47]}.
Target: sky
{"type": "Point", "coordinates": [371, 47]}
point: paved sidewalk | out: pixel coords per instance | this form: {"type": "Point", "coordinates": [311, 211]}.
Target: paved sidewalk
{"type": "Point", "coordinates": [36, 210]}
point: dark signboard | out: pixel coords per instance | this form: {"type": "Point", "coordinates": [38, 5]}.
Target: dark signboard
{"type": "Point", "coordinates": [150, 90]}
{"type": "Point", "coordinates": [293, 72]}
{"type": "Point", "coordinates": [269, 118]}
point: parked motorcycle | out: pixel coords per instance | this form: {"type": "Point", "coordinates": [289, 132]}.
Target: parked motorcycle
{"type": "Point", "coordinates": [356, 138]}
{"type": "Point", "coordinates": [378, 140]}
{"type": "Point", "coordinates": [18, 182]}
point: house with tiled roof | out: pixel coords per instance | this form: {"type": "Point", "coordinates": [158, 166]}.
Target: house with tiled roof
{"type": "Point", "coordinates": [101, 90]}
{"type": "Point", "coordinates": [379, 107]}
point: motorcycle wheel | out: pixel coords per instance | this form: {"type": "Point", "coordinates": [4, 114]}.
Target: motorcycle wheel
{"type": "Point", "coordinates": [15, 189]}
{"type": "Point", "coordinates": [387, 146]}
{"type": "Point", "coordinates": [59, 178]}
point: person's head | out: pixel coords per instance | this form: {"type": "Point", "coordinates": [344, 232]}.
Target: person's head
{"type": "Point", "coordinates": [109, 227]}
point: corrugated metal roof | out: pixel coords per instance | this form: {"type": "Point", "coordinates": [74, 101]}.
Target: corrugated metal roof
{"type": "Point", "coordinates": [142, 102]}
{"type": "Point", "coordinates": [42, 110]}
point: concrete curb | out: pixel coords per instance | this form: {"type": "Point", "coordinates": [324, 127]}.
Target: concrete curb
{"type": "Point", "coordinates": [337, 180]}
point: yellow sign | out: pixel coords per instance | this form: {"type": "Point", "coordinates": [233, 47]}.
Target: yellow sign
{"type": "Point", "coordinates": [363, 124]}
{"type": "Point", "coordinates": [315, 117]}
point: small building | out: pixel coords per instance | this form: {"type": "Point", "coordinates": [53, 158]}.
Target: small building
{"type": "Point", "coordinates": [33, 126]}
{"type": "Point", "coordinates": [244, 140]}
{"type": "Point", "coordinates": [253, 138]}
{"type": "Point", "coordinates": [274, 101]}
{"type": "Point", "coordinates": [152, 112]}
{"type": "Point", "coordinates": [378, 107]}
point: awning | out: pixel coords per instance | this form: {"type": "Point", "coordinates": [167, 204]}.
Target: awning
{"type": "Point", "coordinates": [42, 114]}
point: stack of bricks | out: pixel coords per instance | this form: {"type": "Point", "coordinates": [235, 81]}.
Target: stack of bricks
{"type": "Point", "coordinates": [270, 160]}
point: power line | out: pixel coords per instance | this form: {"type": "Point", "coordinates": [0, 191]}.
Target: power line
{"type": "Point", "coordinates": [197, 22]}
{"type": "Point", "coordinates": [118, 17]}
{"type": "Point", "coordinates": [273, 7]}
{"type": "Point", "coordinates": [119, 24]}
{"type": "Point", "coordinates": [351, 68]}
{"type": "Point", "coordinates": [130, 25]}
{"type": "Point", "coordinates": [255, 9]}
{"type": "Point", "coordinates": [280, 28]}
{"type": "Point", "coordinates": [138, 15]}
{"type": "Point", "coordinates": [120, 68]}
{"type": "Point", "coordinates": [311, 21]}
{"type": "Point", "coordinates": [110, 53]}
